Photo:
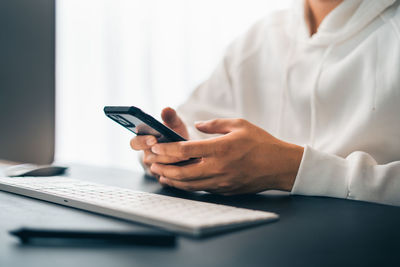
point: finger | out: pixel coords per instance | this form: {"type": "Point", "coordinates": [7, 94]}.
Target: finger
{"type": "Point", "coordinates": [143, 142]}
{"type": "Point", "coordinates": [150, 158]}
{"type": "Point", "coordinates": [147, 166]}
{"type": "Point", "coordinates": [197, 185]}
{"type": "Point", "coordinates": [172, 120]}
{"type": "Point", "coordinates": [220, 126]}
{"type": "Point", "coordinates": [191, 172]}
{"type": "Point", "coordinates": [189, 149]}
{"type": "Point", "coordinates": [170, 117]}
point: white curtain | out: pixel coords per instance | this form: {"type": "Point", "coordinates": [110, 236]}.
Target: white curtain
{"type": "Point", "coordinates": [149, 54]}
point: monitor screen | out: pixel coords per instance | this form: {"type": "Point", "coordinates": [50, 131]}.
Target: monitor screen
{"type": "Point", "coordinates": [27, 80]}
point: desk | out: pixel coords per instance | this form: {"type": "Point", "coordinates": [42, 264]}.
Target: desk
{"type": "Point", "coordinates": [312, 231]}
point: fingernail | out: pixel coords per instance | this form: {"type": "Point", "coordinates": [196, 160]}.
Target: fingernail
{"type": "Point", "coordinates": [153, 168]}
{"type": "Point", "coordinates": [164, 180]}
{"type": "Point", "coordinates": [155, 149]}
{"type": "Point", "coordinates": [151, 141]}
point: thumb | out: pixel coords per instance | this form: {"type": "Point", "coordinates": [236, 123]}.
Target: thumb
{"type": "Point", "coordinates": [172, 120]}
{"type": "Point", "coordinates": [218, 126]}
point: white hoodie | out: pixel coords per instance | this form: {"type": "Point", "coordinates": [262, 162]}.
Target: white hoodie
{"type": "Point", "coordinates": [337, 93]}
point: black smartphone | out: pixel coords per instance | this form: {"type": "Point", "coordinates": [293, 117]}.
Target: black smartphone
{"type": "Point", "coordinates": [140, 123]}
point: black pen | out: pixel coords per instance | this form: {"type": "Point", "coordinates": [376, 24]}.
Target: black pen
{"type": "Point", "coordinates": [146, 238]}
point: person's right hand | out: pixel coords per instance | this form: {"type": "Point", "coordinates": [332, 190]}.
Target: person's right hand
{"type": "Point", "coordinates": [145, 142]}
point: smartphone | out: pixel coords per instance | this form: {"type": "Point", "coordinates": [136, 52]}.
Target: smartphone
{"type": "Point", "coordinates": [140, 123]}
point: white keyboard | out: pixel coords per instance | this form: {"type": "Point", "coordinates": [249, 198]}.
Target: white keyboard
{"type": "Point", "coordinates": [174, 214]}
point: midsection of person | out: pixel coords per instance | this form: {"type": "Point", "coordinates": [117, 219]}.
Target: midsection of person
{"type": "Point", "coordinates": [354, 87]}
{"type": "Point", "coordinates": [336, 91]}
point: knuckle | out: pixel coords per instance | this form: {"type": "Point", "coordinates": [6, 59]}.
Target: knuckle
{"type": "Point", "coordinates": [214, 122]}
{"type": "Point", "coordinates": [149, 159]}
{"type": "Point", "coordinates": [169, 182]}
{"type": "Point", "coordinates": [156, 169]}
{"type": "Point", "coordinates": [240, 122]}
{"type": "Point", "coordinates": [226, 185]}
{"type": "Point", "coordinates": [162, 172]}
{"type": "Point", "coordinates": [145, 158]}
{"type": "Point", "coordinates": [179, 175]}
{"type": "Point", "coordinates": [176, 174]}
{"type": "Point", "coordinates": [188, 187]}
{"type": "Point", "coordinates": [184, 150]}
{"type": "Point", "coordinates": [146, 161]}
{"type": "Point", "coordinates": [218, 122]}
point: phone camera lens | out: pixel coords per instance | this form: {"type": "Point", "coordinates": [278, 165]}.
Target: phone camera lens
{"type": "Point", "coordinates": [124, 122]}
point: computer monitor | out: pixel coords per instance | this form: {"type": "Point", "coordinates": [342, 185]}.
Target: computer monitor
{"type": "Point", "coordinates": [27, 80]}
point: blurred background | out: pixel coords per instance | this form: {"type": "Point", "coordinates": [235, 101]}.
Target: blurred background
{"type": "Point", "coordinates": [149, 54]}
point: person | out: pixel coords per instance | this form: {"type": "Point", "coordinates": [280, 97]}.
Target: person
{"type": "Point", "coordinates": [307, 101]}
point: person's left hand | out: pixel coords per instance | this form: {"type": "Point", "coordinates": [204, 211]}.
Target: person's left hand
{"type": "Point", "coordinates": [245, 159]}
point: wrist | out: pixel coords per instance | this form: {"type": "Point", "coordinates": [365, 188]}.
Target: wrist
{"type": "Point", "coordinates": [294, 157]}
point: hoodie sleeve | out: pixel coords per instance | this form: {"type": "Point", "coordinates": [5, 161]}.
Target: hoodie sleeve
{"type": "Point", "coordinates": [356, 177]}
